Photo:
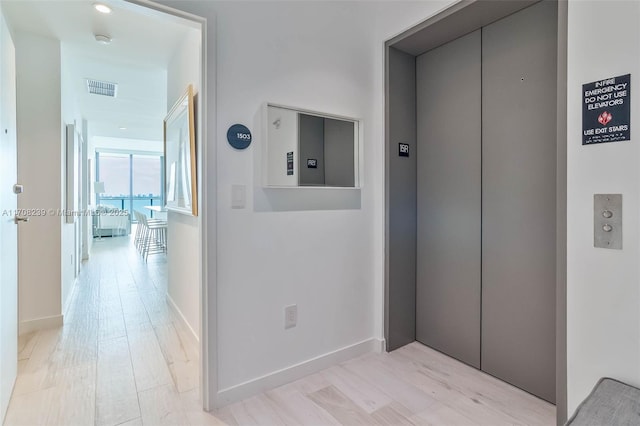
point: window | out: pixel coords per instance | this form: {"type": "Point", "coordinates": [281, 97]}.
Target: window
{"type": "Point", "coordinates": [131, 181]}
{"type": "Point", "coordinates": [115, 171]}
{"type": "Point", "coordinates": [146, 181]}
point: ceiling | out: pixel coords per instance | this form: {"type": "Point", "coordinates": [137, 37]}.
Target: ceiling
{"type": "Point", "coordinates": [143, 43]}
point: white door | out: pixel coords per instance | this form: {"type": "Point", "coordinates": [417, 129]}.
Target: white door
{"type": "Point", "coordinates": [8, 228]}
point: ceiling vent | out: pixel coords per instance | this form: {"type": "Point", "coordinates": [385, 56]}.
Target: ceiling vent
{"type": "Point", "coordinates": [103, 88]}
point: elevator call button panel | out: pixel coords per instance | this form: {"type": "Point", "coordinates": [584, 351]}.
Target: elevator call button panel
{"type": "Point", "coordinates": [607, 221]}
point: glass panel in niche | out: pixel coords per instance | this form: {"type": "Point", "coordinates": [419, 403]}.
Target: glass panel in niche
{"type": "Point", "coordinates": [306, 149]}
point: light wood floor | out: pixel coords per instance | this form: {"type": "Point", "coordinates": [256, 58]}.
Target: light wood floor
{"type": "Point", "coordinates": [121, 359]}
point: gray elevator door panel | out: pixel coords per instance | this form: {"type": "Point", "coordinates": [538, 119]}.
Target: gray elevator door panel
{"type": "Point", "coordinates": [448, 83]}
{"type": "Point", "coordinates": [519, 199]}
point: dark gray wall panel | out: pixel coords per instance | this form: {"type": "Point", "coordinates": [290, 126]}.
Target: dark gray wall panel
{"type": "Point", "coordinates": [339, 154]}
{"type": "Point", "coordinates": [519, 199]}
{"type": "Point", "coordinates": [448, 82]}
{"type": "Point", "coordinates": [311, 140]}
{"type": "Point", "coordinates": [400, 288]}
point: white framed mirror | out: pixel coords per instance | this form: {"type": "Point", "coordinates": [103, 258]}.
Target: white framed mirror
{"type": "Point", "coordinates": [309, 149]}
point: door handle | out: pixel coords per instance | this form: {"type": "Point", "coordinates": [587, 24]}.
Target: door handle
{"type": "Point", "coordinates": [18, 219]}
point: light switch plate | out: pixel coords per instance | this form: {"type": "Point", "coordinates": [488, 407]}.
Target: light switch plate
{"type": "Point", "coordinates": [607, 221]}
{"type": "Point", "coordinates": [238, 196]}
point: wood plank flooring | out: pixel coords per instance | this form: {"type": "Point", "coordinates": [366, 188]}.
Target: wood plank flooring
{"type": "Point", "coordinates": [122, 359]}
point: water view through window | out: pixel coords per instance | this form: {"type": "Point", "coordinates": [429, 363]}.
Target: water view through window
{"type": "Point", "coordinates": [131, 181]}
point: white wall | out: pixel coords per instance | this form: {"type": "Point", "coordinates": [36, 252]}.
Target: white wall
{"type": "Point", "coordinates": [40, 163]}
{"type": "Point", "coordinates": [318, 260]}
{"type": "Point", "coordinates": [323, 56]}
{"type": "Point", "coordinates": [183, 262]}
{"type": "Point", "coordinates": [603, 288]}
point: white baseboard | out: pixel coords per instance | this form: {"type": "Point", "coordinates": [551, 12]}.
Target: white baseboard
{"type": "Point", "coordinates": [39, 324]}
{"type": "Point", "coordinates": [67, 303]}
{"type": "Point", "coordinates": [184, 324]}
{"type": "Point", "coordinates": [295, 372]}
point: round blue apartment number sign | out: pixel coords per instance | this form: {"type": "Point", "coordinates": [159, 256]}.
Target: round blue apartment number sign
{"type": "Point", "coordinates": [239, 136]}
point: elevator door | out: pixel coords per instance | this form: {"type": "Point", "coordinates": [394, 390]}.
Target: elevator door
{"type": "Point", "coordinates": [448, 84]}
{"type": "Point", "coordinates": [519, 198]}
{"type": "Point", "coordinates": [486, 172]}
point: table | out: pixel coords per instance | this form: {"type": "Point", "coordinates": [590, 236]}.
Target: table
{"type": "Point", "coordinates": [160, 211]}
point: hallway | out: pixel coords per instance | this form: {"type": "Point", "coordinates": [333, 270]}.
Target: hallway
{"type": "Point", "coordinates": [122, 359]}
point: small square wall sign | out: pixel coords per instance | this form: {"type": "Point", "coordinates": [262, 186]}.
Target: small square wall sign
{"type": "Point", "coordinates": [403, 149]}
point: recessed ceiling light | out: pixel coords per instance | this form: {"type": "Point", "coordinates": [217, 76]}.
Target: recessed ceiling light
{"type": "Point", "coordinates": [123, 128]}
{"type": "Point", "coordinates": [102, 8]}
{"type": "Point", "coordinates": [102, 39]}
